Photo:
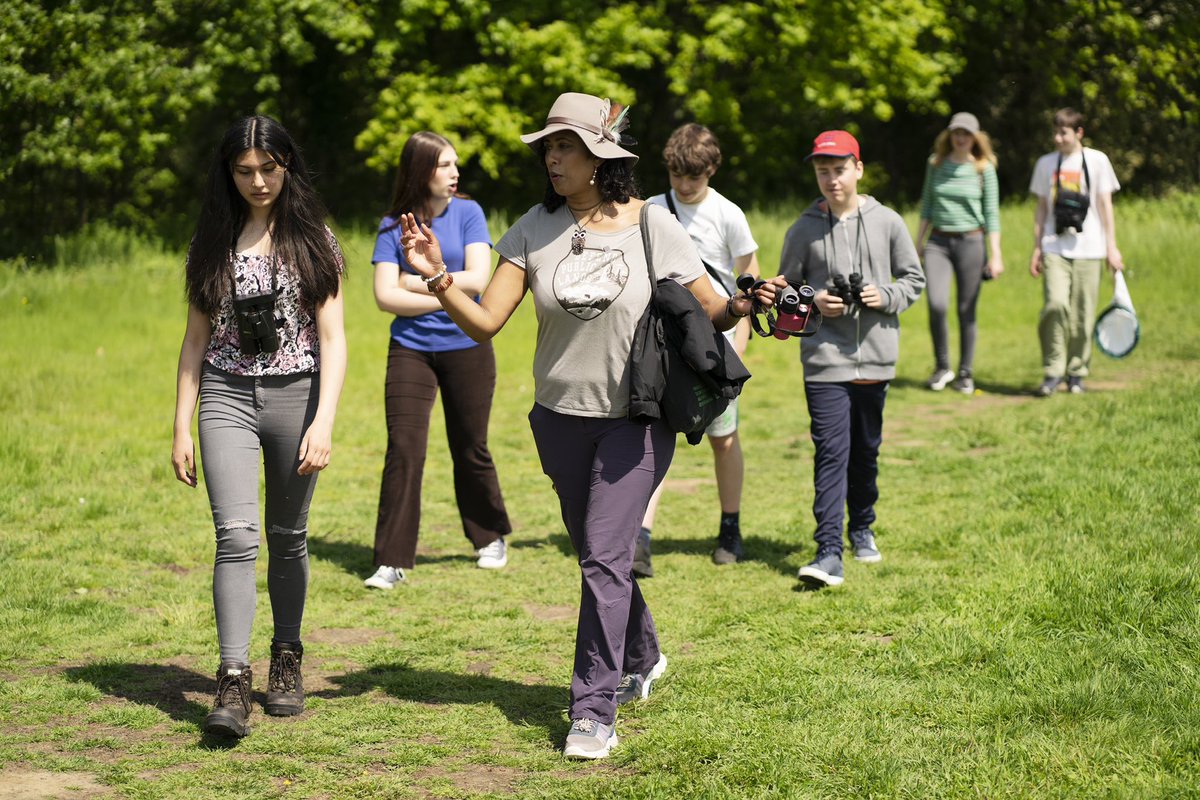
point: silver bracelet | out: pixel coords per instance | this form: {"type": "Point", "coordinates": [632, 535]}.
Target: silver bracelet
{"type": "Point", "coordinates": [435, 278]}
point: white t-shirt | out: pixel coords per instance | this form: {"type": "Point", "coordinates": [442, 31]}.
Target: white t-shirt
{"type": "Point", "coordinates": [719, 229]}
{"type": "Point", "coordinates": [1091, 242]}
{"type": "Point", "coordinates": [588, 305]}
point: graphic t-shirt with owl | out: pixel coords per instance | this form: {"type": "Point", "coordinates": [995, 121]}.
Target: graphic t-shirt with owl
{"type": "Point", "coordinates": [588, 304]}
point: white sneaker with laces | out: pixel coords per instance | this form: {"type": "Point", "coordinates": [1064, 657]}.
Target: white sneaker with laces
{"type": "Point", "coordinates": [493, 556]}
{"type": "Point", "coordinates": [590, 739]}
{"type": "Point", "coordinates": [939, 379]}
{"type": "Point", "coordinates": [385, 578]}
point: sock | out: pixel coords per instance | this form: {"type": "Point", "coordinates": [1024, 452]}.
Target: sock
{"type": "Point", "coordinates": [729, 521]}
{"type": "Point", "coordinates": [645, 533]}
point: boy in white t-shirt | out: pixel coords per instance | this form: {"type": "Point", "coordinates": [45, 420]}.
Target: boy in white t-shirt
{"type": "Point", "coordinates": [1070, 256]}
{"type": "Point", "coordinates": [721, 234]}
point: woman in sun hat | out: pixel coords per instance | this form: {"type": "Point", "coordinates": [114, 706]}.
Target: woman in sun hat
{"type": "Point", "coordinates": [580, 254]}
{"type": "Point", "coordinates": [960, 203]}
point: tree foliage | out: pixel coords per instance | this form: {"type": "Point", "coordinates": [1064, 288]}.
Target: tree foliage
{"type": "Point", "coordinates": [109, 110]}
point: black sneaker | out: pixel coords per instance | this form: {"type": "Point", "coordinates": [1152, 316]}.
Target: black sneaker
{"type": "Point", "coordinates": [641, 556]}
{"type": "Point", "coordinates": [285, 686]}
{"type": "Point", "coordinates": [729, 546]}
{"type": "Point", "coordinates": [231, 711]}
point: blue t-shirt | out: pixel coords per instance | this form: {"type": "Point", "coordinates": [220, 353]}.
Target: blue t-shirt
{"type": "Point", "coordinates": [461, 224]}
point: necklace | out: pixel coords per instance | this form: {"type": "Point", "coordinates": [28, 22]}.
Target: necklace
{"type": "Point", "coordinates": [579, 237]}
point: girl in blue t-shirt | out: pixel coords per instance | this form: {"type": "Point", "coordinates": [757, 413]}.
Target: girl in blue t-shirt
{"type": "Point", "coordinates": [429, 352]}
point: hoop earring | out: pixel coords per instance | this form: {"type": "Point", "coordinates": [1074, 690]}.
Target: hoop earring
{"type": "Point", "coordinates": [595, 169]}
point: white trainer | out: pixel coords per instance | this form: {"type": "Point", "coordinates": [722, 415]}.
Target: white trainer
{"type": "Point", "coordinates": [493, 556]}
{"type": "Point", "coordinates": [385, 578]}
{"type": "Point", "coordinates": [939, 380]}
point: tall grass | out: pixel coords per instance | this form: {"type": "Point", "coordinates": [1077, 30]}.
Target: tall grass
{"type": "Point", "coordinates": [1032, 631]}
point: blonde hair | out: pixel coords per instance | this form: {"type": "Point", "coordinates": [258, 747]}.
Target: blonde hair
{"type": "Point", "coordinates": [981, 149]}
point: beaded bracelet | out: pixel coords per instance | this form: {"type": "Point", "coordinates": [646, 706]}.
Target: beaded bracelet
{"type": "Point", "coordinates": [437, 288]}
{"type": "Point", "coordinates": [430, 281]}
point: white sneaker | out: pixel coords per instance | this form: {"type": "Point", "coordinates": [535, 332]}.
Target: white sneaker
{"type": "Point", "coordinates": [939, 379]}
{"type": "Point", "coordinates": [590, 739]}
{"type": "Point", "coordinates": [494, 556]}
{"type": "Point", "coordinates": [385, 578]}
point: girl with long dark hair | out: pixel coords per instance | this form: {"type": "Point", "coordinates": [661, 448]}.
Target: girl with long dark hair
{"type": "Point", "coordinates": [264, 353]}
{"type": "Point", "coordinates": [580, 254]}
{"type": "Point", "coordinates": [428, 353]}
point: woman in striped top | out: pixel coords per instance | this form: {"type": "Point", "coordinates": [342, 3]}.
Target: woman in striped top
{"type": "Point", "coordinates": [960, 202]}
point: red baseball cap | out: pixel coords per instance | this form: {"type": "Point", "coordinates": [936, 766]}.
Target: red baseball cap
{"type": "Point", "coordinates": [835, 144]}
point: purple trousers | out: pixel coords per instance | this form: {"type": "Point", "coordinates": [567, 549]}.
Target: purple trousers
{"type": "Point", "coordinates": [604, 471]}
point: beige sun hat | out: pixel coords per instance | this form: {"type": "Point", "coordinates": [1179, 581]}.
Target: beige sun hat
{"type": "Point", "coordinates": [587, 116]}
{"type": "Point", "coordinates": [964, 120]}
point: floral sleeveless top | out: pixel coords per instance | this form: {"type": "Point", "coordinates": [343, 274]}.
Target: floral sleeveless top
{"type": "Point", "coordinates": [299, 348]}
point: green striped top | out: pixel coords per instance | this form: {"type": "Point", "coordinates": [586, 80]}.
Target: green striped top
{"type": "Point", "coordinates": [957, 198]}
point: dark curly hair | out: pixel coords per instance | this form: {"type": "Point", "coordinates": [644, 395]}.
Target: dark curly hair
{"type": "Point", "coordinates": [614, 179]}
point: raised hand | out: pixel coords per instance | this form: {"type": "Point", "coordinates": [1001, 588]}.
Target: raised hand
{"type": "Point", "coordinates": [421, 247]}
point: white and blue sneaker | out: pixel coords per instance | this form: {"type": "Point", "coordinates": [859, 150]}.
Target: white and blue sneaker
{"type": "Point", "coordinates": [590, 739]}
{"type": "Point", "coordinates": [636, 686]}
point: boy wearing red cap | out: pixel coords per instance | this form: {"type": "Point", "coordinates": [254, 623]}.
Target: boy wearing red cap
{"type": "Point", "coordinates": [859, 257]}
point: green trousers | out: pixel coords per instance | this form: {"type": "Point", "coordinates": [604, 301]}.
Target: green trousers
{"type": "Point", "coordinates": [1071, 290]}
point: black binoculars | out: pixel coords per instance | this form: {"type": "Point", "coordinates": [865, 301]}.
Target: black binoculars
{"type": "Point", "coordinates": [257, 331]}
{"type": "Point", "coordinates": [850, 292]}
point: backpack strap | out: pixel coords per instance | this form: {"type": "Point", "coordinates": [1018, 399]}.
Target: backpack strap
{"type": "Point", "coordinates": [716, 276]}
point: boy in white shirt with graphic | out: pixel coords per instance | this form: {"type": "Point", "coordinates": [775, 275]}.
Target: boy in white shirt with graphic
{"type": "Point", "coordinates": [721, 234]}
{"type": "Point", "coordinates": [1074, 234]}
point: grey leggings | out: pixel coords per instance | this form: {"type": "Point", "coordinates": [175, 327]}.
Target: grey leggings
{"type": "Point", "coordinates": [239, 416]}
{"type": "Point", "coordinates": [962, 258]}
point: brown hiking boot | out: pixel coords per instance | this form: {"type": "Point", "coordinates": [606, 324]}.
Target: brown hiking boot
{"type": "Point", "coordinates": [285, 686]}
{"type": "Point", "coordinates": [231, 711]}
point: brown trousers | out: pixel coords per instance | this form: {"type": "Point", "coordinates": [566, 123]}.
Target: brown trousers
{"type": "Point", "coordinates": [467, 379]}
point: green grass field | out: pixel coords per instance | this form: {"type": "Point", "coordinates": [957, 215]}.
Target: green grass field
{"type": "Point", "coordinates": [1032, 632]}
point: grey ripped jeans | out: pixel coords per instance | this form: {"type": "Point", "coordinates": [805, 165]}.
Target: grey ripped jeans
{"type": "Point", "coordinates": [239, 416]}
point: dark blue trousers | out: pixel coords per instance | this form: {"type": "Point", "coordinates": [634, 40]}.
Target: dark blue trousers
{"type": "Point", "coordinates": [847, 429]}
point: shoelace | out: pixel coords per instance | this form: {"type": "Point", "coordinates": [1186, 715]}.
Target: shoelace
{"type": "Point", "coordinates": [492, 550]}
{"type": "Point", "coordinates": [232, 690]}
{"type": "Point", "coordinates": [626, 682]}
{"type": "Point", "coordinates": [284, 672]}
{"type": "Point", "coordinates": [585, 725]}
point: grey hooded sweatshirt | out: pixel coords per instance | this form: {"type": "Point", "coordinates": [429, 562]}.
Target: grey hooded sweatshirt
{"type": "Point", "coordinates": [864, 344]}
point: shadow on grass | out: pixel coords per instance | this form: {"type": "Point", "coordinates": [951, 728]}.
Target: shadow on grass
{"type": "Point", "coordinates": [523, 704]}
{"type": "Point", "coordinates": [166, 687]}
{"type": "Point", "coordinates": [987, 387]}
{"type": "Point", "coordinates": [163, 686]}
{"type": "Point", "coordinates": [755, 549]}
{"type": "Point", "coordinates": [356, 559]}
